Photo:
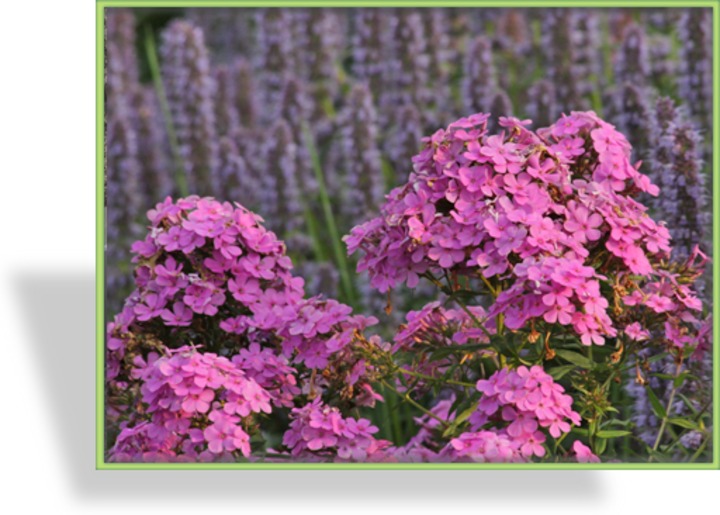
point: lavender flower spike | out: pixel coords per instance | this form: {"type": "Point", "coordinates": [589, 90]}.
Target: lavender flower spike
{"type": "Point", "coordinates": [479, 78]}
{"type": "Point", "coordinates": [189, 88]}
{"type": "Point", "coordinates": [695, 77]}
{"type": "Point", "coordinates": [361, 157]}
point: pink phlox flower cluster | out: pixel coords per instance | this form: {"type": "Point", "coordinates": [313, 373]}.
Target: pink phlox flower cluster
{"type": "Point", "coordinates": [349, 372]}
{"type": "Point", "coordinates": [485, 447]}
{"type": "Point", "coordinates": [270, 371]}
{"type": "Point", "coordinates": [198, 402]}
{"type": "Point", "coordinates": [319, 328]}
{"type": "Point", "coordinates": [532, 207]}
{"type": "Point", "coordinates": [521, 402]}
{"type": "Point", "coordinates": [320, 433]}
{"type": "Point", "coordinates": [507, 426]}
{"type": "Point", "coordinates": [233, 275]}
{"type": "Point", "coordinates": [199, 256]}
{"type": "Point", "coordinates": [666, 295]}
{"type": "Point", "coordinates": [140, 443]}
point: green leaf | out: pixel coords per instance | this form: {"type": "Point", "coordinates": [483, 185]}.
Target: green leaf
{"type": "Point", "coordinates": [456, 349]}
{"type": "Point", "coordinates": [666, 377]}
{"type": "Point", "coordinates": [655, 403]}
{"type": "Point", "coordinates": [575, 358]}
{"type": "Point", "coordinates": [657, 455]}
{"type": "Point", "coordinates": [612, 433]}
{"type": "Point", "coordinates": [688, 404]}
{"type": "Point", "coordinates": [462, 417]}
{"type": "Point", "coordinates": [679, 380]}
{"type": "Point", "coordinates": [656, 357]}
{"type": "Point", "coordinates": [580, 431]}
{"type": "Point", "coordinates": [617, 422]}
{"type": "Point", "coordinates": [559, 372]}
{"type": "Point", "coordinates": [600, 446]}
{"type": "Point", "coordinates": [683, 422]}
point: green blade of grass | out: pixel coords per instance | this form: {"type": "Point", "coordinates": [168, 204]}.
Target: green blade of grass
{"type": "Point", "coordinates": [151, 51]}
{"type": "Point", "coordinates": [336, 242]}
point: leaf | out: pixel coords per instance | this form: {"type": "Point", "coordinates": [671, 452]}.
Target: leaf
{"type": "Point", "coordinates": [612, 433]}
{"type": "Point", "coordinates": [600, 446]}
{"type": "Point", "coordinates": [456, 349]}
{"type": "Point", "coordinates": [679, 380]}
{"type": "Point", "coordinates": [656, 357]}
{"type": "Point", "coordinates": [683, 422]}
{"type": "Point", "coordinates": [559, 372]}
{"type": "Point", "coordinates": [655, 403]}
{"type": "Point", "coordinates": [575, 358]}
{"type": "Point", "coordinates": [462, 417]}
{"type": "Point", "coordinates": [617, 422]}
{"type": "Point", "coordinates": [580, 431]}
{"type": "Point", "coordinates": [688, 404]}
{"type": "Point", "coordinates": [666, 377]}
{"type": "Point", "coordinates": [657, 455]}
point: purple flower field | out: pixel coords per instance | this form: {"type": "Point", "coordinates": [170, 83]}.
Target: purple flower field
{"type": "Point", "coordinates": [408, 235]}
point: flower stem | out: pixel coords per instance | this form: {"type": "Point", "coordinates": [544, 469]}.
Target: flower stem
{"type": "Point", "coordinates": [435, 379]}
{"type": "Point", "coordinates": [663, 423]}
{"type": "Point", "coordinates": [405, 396]}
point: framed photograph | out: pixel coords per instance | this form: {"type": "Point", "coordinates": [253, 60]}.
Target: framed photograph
{"type": "Point", "coordinates": [407, 235]}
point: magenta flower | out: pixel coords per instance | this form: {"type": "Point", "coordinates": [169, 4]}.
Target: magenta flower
{"type": "Point", "coordinates": [560, 314]}
{"type": "Point", "coordinates": [636, 332]}
{"type": "Point", "coordinates": [583, 454]}
{"type": "Point", "coordinates": [152, 306]}
{"type": "Point", "coordinates": [180, 315]}
{"type": "Point", "coordinates": [582, 224]}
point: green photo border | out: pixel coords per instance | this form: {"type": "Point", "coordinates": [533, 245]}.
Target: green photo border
{"type": "Point", "coordinates": [100, 237]}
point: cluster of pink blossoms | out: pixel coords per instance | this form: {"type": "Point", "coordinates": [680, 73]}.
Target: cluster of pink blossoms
{"type": "Point", "coordinates": [550, 214]}
{"type": "Point", "coordinates": [197, 402]}
{"type": "Point", "coordinates": [507, 425]}
{"type": "Point", "coordinates": [211, 277]}
{"type": "Point", "coordinates": [209, 267]}
{"type": "Point", "coordinates": [522, 401]}
{"type": "Point", "coordinates": [318, 432]}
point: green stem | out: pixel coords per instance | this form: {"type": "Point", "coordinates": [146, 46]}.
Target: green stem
{"type": "Point", "coordinates": [314, 233]}
{"type": "Point", "coordinates": [663, 423]}
{"type": "Point", "coordinates": [150, 50]}
{"type": "Point", "coordinates": [385, 427]}
{"type": "Point", "coordinates": [406, 397]}
{"type": "Point", "coordinates": [340, 257]}
{"type": "Point", "coordinates": [474, 318]}
{"type": "Point", "coordinates": [395, 420]}
{"type": "Point", "coordinates": [700, 450]}
{"type": "Point", "coordinates": [435, 379]}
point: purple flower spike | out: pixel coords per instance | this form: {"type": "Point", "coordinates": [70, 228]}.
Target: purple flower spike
{"type": "Point", "coordinates": [695, 69]}
{"type": "Point", "coordinates": [361, 157]}
{"type": "Point", "coordinates": [632, 63]}
{"type": "Point", "coordinates": [190, 89]}
{"type": "Point", "coordinates": [479, 76]}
